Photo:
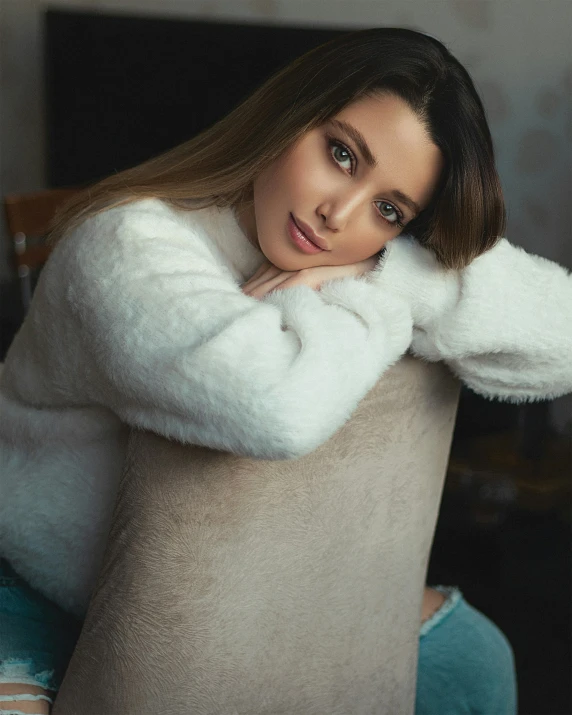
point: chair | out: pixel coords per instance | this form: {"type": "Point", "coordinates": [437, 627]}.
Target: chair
{"type": "Point", "coordinates": [28, 217]}
{"type": "Point", "coordinates": [237, 586]}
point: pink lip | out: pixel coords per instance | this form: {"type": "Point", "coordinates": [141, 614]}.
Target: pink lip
{"type": "Point", "coordinates": [310, 234]}
{"type": "Point", "coordinates": [299, 229]}
{"type": "Point", "coordinates": [299, 238]}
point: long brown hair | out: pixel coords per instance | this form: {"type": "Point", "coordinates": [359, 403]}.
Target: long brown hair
{"type": "Point", "coordinates": [217, 167]}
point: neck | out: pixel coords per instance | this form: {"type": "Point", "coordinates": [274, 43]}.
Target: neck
{"type": "Point", "coordinates": [247, 222]}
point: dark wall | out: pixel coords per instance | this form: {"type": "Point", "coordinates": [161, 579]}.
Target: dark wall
{"type": "Point", "coordinates": [122, 89]}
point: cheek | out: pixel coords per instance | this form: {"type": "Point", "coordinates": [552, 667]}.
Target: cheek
{"type": "Point", "coordinates": [296, 182]}
{"type": "Point", "coordinates": [360, 249]}
{"type": "Point", "coordinates": [301, 175]}
{"type": "Point", "coordinates": [272, 186]}
{"type": "Point", "coordinates": [366, 236]}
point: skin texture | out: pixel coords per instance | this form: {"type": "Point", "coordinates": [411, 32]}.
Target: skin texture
{"type": "Point", "coordinates": [347, 202]}
{"type": "Point", "coordinates": [34, 707]}
{"type": "Point", "coordinates": [432, 602]}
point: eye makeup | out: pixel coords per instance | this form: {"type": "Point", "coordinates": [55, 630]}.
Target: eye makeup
{"type": "Point", "coordinates": [335, 143]}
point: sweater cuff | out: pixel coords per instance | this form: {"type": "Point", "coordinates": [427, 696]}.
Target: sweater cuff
{"type": "Point", "coordinates": [387, 316]}
{"type": "Point", "coordinates": [413, 273]}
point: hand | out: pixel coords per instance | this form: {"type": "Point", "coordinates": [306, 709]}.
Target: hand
{"type": "Point", "coordinates": [269, 277]}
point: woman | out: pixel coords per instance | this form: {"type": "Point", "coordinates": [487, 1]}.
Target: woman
{"type": "Point", "coordinates": [281, 222]}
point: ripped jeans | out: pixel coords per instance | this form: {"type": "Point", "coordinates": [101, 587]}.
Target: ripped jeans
{"type": "Point", "coordinates": [37, 639]}
{"type": "Point", "coordinates": [465, 666]}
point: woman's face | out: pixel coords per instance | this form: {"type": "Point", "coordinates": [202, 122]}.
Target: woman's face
{"type": "Point", "coordinates": [355, 181]}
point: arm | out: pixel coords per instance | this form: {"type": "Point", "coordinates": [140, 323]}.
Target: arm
{"type": "Point", "coordinates": [503, 324]}
{"type": "Point", "coordinates": [168, 342]}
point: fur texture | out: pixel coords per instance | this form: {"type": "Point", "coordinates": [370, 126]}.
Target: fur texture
{"type": "Point", "coordinates": [138, 320]}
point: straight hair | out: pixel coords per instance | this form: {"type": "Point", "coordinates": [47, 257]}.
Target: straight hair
{"type": "Point", "coordinates": [466, 216]}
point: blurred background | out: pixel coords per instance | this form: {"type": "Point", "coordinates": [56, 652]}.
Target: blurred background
{"type": "Point", "coordinates": [93, 86]}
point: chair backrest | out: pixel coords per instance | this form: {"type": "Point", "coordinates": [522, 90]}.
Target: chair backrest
{"type": "Point", "coordinates": [233, 585]}
{"type": "Point", "coordinates": [28, 217]}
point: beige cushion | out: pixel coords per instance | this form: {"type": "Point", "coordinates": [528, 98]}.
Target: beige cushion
{"type": "Point", "coordinates": [233, 585]}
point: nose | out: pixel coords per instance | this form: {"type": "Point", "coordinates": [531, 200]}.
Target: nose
{"type": "Point", "coordinates": [337, 211]}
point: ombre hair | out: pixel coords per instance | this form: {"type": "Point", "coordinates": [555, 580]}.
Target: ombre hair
{"type": "Point", "coordinates": [466, 216]}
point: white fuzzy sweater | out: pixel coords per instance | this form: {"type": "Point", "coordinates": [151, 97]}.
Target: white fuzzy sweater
{"type": "Point", "coordinates": [139, 320]}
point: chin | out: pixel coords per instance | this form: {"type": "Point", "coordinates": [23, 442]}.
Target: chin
{"type": "Point", "coordinates": [280, 259]}
{"type": "Point", "coordinates": [284, 264]}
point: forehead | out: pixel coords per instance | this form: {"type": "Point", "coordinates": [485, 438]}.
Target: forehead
{"type": "Point", "coordinates": [383, 114]}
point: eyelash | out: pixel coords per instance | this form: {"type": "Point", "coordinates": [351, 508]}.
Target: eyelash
{"type": "Point", "coordinates": [333, 142]}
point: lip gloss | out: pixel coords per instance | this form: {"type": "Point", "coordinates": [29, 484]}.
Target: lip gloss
{"type": "Point", "coordinates": [300, 240]}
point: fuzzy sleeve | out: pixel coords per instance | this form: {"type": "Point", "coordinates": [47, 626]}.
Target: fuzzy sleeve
{"type": "Point", "coordinates": [166, 339]}
{"type": "Point", "coordinates": [503, 324]}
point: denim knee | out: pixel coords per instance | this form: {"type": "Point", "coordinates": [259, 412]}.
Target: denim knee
{"type": "Point", "coordinates": [466, 663]}
{"type": "Point", "coordinates": [38, 637]}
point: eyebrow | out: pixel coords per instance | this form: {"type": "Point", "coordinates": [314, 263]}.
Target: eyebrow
{"type": "Point", "coordinates": [370, 160]}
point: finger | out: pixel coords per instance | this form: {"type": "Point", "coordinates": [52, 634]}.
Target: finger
{"type": "Point", "coordinates": [263, 267]}
{"type": "Point", "coordinates": [248, 283]}
{"type": "Point", "coordinates": [268, 280]}
{"type": "Point", "coordinates": [293, 282]}
{"type": "Point", "coordinates": [271, 284]}
{"type": "Point", "coordinates": [266, 271]}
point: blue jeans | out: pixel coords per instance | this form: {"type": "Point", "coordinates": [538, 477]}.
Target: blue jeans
{"type": "Point", "coordinates": [37, 638]}
{"type": "Point", "coordinates": [466, 664]}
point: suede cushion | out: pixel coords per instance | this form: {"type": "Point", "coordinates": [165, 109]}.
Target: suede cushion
{"type": "Point", "coordinates": [232, 585]}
